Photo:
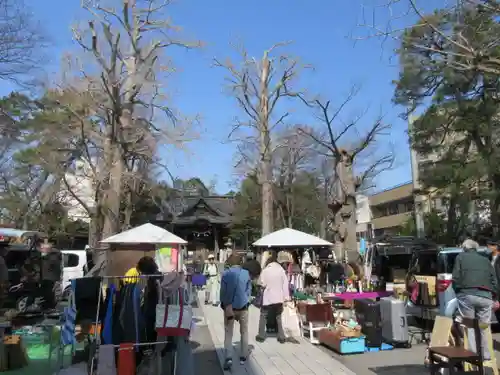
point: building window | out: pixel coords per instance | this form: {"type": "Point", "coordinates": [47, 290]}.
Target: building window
{"type": "Point", "coordinates": [409, 207]}
{"type": "Point", "coordinates": [436, 203]}
{"type": "Point", "coordinates": [392, 209]}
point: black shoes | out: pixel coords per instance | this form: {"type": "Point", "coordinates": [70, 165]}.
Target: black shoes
{"type": "Point", "coordinates": [243, 360]}
{"type": "Point", "coordinates": [260, 338]}
{"type": "Point", "coordinates": [228, 364]}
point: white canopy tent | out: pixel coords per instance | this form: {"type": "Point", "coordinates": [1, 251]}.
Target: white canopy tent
{"type": "Point", "coordinates": [145, 234]}
{"type": "Point", "coordinates": [288, 237]}
{"type": "Point", "coordinates": [145, 240]}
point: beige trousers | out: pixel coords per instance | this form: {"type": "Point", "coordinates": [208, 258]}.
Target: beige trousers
{"type": "Point", "coordinates": [241, 317]}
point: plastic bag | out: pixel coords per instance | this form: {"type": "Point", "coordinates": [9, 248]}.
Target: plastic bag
{"type": "Point", "coordinates": [291, 322]}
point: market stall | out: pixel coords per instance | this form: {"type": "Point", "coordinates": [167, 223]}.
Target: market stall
{"type": "Point", "coordinates": [348, 312]}
{"type": "Point", "coordinates": [118, 324]}
{"type": "Point", "coordinates": [145, 240]}
{"type": "Point", "coordinates": [302, 253]}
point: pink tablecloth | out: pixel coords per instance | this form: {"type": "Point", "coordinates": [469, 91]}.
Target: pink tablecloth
{"type": "Point", "coordinates": [349, 296]}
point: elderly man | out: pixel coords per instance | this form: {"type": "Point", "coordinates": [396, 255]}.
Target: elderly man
{"type": "Point", "coordinates": [211, 271]}
{"type": "Point", "coordinates": [475, 284]}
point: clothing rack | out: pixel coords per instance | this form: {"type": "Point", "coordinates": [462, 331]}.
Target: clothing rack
{"type": "Point", "coordinates": [144, 344]}
{"type": "Point", "coordinates": [96, 336]}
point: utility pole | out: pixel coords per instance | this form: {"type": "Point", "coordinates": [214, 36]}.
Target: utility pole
{"type": "Point", "coordinates": [418, 199]}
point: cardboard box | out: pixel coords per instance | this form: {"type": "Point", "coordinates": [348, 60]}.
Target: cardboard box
{"type": "Point", "coordinates": [343, 345]}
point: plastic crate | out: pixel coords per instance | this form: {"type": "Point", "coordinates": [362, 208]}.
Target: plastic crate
{"type": "Point", "coordinates": [351, 345]}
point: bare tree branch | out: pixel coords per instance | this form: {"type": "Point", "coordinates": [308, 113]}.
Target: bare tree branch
{"type": "Point", "coordinates": [21, 41]}
{"type": "Point", "coordinates": [259, 87]}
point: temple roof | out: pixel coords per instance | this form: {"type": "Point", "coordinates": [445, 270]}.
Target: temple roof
{"type": "Point", "coordinates": [189, 209]}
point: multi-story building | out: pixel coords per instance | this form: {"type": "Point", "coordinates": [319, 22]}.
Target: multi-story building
{"type": "Point", "coordinates": [80, 190]}
{"type": "Point", "coordinates": [391, 208]}
{"type": "Point", "coordinates": [363, 217]}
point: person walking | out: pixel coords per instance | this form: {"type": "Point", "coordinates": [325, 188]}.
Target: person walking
{"type": "Point", "coordinates": [475, 285]}
{"type": "Point", "coordinates": [235, 291]}
{"type": "Point", "coordinates": [211, 272]}
{"type": "Point", "coordinates": [252, 265]}
{"type": "Point", "coordinates": [275, 292]}
{"type": "Point", "coordinates": [495, 262]}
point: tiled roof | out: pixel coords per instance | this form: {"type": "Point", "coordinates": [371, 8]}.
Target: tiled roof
{"type": "Point", "coordinates": [223, 207]}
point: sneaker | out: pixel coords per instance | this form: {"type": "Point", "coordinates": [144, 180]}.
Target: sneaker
{"type": "Point", "coordinates": [243, 360]}
{"type": "Point", "coordinates": [228, 364]}
{"type": "Point", "coordinates": [260, 338]}
{"type": "Point", "coordinates": [282, 341]}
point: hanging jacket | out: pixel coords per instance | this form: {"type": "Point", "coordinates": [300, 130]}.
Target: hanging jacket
{"type": "Point", "coordinates": [131, 319]}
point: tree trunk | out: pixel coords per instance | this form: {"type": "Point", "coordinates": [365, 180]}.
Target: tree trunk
{"type": "Point", "coordinates": [346, 215]}
{"type": "Point", "coordinates": [265, 151]}
{"type": "Point", "coordinates": [127, 210]}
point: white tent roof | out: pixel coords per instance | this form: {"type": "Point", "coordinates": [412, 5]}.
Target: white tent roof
{"type": "Point", "coordinates": [290, 237]}
{"type": "Point", "coordinates": [146, 233]}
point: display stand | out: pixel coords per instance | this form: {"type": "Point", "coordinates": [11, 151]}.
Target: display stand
{"type": "Point", "coordinates": [349, 296]}
{"type": "Point", "coordinates": [158, 344]}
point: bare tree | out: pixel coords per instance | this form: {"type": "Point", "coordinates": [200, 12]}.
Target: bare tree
{"type": "Point", "coordinates": [259, 87]}
{"type": "Point", "coordinates": [21, 40]}
{"type": "Point", "coordinates": [293, 159]}
{"type": "Point", "coordinates": [346, 152]}
{"type": "Point", "coordinates": [120, 114]}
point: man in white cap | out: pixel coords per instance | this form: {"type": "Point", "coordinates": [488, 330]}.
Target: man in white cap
{"type": "Point", "coordinates": [211, 272]}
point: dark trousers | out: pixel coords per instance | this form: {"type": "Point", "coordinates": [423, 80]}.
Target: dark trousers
{"type": "Point", "coordinates": [47, 288]}
{"type": "Point", "coordinates": [271, 310]}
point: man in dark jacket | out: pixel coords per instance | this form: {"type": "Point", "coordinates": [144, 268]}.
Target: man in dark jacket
{"type": "Point", "coordinates": [475, 284]}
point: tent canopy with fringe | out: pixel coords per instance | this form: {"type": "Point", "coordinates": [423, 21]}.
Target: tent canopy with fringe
{"type": "Point", "coordinates": [288, 237]}
{"type": "Point", "coordinates": [145, 234]}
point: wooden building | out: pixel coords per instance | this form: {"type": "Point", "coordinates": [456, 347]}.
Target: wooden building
{"type": "Point", "coordinates": [202, 219]}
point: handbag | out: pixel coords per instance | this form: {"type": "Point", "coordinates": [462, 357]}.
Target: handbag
{"type": "Point", "coordinates": [174, 320]}
{"type": "Point", "coordinates": [259, 298]}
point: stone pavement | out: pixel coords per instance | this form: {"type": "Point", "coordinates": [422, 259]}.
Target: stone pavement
{"type": "Point", "coordinates": [205, 357]}
{"type": "Point", "coordinates": [271, 357]}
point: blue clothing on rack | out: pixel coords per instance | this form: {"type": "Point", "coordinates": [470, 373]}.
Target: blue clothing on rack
{"type": "Point", "coordinates": [107, 334]}
{"type": "Point", "coordinates": [68, 328]}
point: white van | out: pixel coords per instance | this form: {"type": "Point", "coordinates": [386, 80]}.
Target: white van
{"type": "Point", "coordinates": [73, 268]}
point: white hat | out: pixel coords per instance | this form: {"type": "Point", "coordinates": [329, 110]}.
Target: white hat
{"type": "Point", "coordinates": [211, 256]}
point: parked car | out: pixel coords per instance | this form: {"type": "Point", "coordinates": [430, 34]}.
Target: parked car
{"type": "Point", "coordinates": [74, 262]}
{"type": "Point", "coordinates": [397, 259]}
{"type": "Point", "coordinates": [25, 266]}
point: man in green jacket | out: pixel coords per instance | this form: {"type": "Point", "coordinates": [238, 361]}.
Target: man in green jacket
{"type": "Point", "coordinates": [475, 285]}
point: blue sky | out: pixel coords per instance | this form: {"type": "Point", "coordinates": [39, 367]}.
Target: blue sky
{"type": "Point", "coordinates": [320, 30]}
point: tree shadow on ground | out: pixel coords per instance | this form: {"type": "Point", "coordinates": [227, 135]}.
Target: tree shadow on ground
{"type": "Point", "coordinates": [400, 370]}
{"type": "Point", "coordinates": [206, 362]}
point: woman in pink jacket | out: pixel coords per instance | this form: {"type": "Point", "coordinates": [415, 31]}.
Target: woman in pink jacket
{"type": "Point", "coordinates": [276, 292]}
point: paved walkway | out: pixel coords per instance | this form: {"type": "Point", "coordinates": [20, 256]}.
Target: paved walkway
{"type": "Point", "coordinates": [271, 357]}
